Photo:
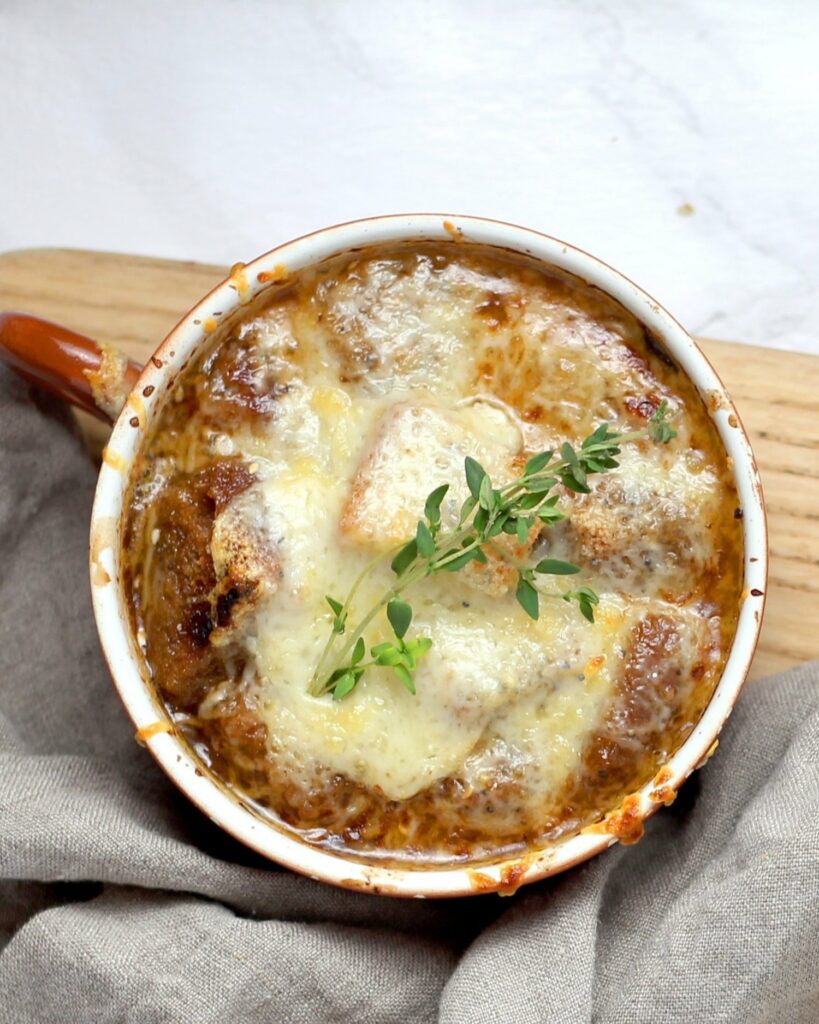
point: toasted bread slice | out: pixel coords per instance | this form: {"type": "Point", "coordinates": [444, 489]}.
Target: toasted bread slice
{"type": "Point", "coordinates": [414, 449]}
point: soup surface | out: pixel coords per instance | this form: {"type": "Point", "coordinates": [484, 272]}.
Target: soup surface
{"type": "Point", "coordinates": [302, 444]}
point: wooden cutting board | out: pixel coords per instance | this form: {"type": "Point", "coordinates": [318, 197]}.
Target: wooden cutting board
{"type": "Point", "coordinates": [133, 301]}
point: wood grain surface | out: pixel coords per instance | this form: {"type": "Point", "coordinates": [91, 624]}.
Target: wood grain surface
{"type": "Point", "coordinates": [133, 301]}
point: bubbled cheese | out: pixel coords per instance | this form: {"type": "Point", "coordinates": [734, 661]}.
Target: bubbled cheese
{"type": "Point", "coordinates": [388, 388]}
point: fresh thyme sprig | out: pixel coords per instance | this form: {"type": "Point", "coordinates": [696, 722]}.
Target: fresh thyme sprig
{"type": "Point", "coordinates": [487, 513]}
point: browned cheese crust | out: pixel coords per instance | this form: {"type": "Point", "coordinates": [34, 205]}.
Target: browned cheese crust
{"type": "Point", "coordinates": [185, 607]}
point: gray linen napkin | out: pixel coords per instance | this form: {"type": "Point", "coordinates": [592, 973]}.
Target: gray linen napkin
{"type": "Point", "coordinates": [120, 902]}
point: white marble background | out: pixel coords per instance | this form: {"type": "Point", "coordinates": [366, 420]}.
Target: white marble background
{"type": "Point", "coordinates": [677, 139]}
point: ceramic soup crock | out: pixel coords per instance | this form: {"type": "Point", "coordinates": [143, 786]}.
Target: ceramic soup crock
{"type": "Point", "coordinates": [102, 381]}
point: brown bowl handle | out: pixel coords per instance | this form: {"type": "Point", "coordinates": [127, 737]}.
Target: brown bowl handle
{"type": "Point", "coordinates": [96, 377]}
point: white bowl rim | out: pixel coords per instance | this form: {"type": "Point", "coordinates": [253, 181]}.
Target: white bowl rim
{"type": "Point", "coordinates": [225, 808]}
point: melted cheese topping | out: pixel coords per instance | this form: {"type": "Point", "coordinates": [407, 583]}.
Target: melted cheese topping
{"type": "Point", "coordinates": [370, 379]}
{"type": "Point", "coordinates": [343, 471]}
